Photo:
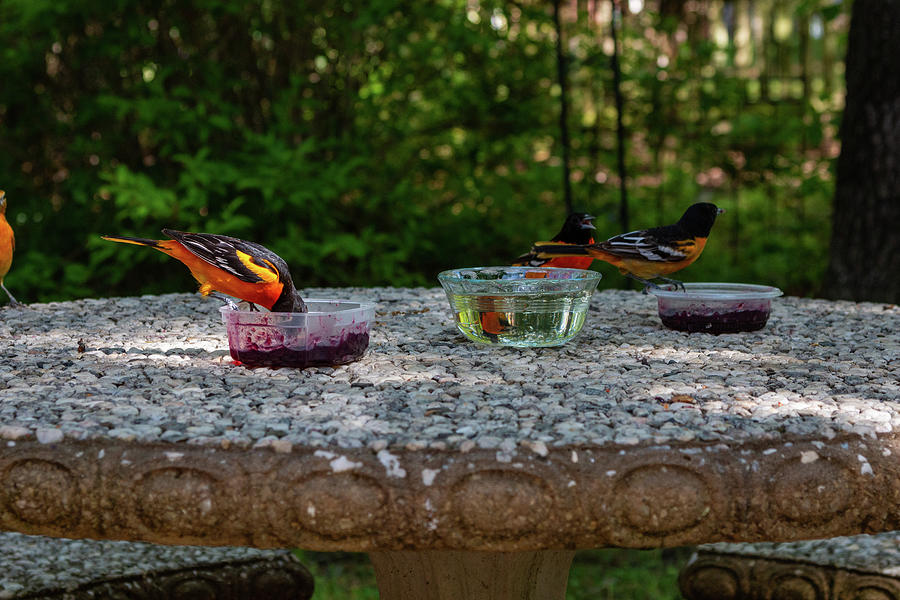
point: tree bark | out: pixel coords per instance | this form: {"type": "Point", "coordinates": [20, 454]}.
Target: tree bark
{"type": "Point", "coordinates": [865, 244]}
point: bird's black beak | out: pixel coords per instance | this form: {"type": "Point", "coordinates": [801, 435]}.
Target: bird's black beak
{"type": "Point", "coordinates": [720, 211]}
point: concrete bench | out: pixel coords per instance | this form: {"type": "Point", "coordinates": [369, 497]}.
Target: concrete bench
{"type": "Point", "coordinates": [36, 567]}
{"type": "Point", "coordinates": [862, 567]}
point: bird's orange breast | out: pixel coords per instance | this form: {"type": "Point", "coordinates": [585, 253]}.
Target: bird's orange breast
{"type": "Point", "coordinates": [7, 245]}
{"type": "Point", "coordinates": [569, 262]}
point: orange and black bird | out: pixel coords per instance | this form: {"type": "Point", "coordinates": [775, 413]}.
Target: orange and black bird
{"type": "Point", "coordinates": [7, 245]}
{"type": "Point", "coordinates": [647, 254]}
{"type": "Point", "coordinates": [577, 229]}
{"type": "Point", "coordinates": [229, 266]}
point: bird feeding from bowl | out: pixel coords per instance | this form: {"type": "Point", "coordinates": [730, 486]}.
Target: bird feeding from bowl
{"type": "Point", "coordinates": [230, 266]}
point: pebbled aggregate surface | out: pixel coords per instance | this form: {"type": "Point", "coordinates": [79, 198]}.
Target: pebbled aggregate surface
{"type": "Point", "coordinates": [157, 369]}
{"type": "Point", "coordinates": [34, 566]}
{"type": "Point", "coordinates": [878, 553]}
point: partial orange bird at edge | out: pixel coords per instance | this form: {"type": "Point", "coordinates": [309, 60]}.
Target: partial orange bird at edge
{"type": "Point", "coordinates": [7, 246]}
{"type": "Point", "coordinates": [230, 266]}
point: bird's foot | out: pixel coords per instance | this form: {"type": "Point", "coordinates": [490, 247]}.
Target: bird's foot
{"type": "Point", "coordinates": [12, 299]}
{"type": "Point", "coordinates": [227, 300]}
{"type": "Point", "coordinates": [648, 285]}
{"type": "Point", "coordinates": [675, 282]}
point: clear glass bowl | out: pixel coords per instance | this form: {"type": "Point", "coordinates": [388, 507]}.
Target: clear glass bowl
{"type": "Point", "coordinates": [333, 332]}
{"type": "Point", "coordinates": [519, 306]}
{"type": "Point", "coordinates": [715, 307]}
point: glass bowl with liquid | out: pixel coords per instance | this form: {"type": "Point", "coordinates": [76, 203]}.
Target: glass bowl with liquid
{"type": "Point", "coordinates": [519, 306]}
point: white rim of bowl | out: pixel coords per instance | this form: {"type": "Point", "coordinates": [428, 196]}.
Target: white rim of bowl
{"type": "Point", "coordinates": [718, 291]}
{"type": "Point", "coordinates": [360, 306]}
{"type": "Point", "coordinates": [452, 274]}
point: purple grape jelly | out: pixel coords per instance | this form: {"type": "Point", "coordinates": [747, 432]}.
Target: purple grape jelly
{"type": "Point", "coordinates": [350, 347]}
{"type": "Point", "coordinates": [726, 321]}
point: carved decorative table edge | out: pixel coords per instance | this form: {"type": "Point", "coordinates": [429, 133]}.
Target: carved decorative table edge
{"type": "Point", "coordinates": [710, 574]}
{"type": "Point", "coordinates": [483, 500]}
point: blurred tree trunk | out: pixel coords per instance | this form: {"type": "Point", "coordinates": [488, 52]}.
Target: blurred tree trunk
{"type": "Point", "coordinates": [865, 245]}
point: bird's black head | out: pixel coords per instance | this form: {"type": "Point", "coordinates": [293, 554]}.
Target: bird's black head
{"type": "Point", "coordinates": [577, 229]}
{"type": "Point", "coordinates": [698, 219]}
{"type": "Point", "coordinates": [290, 299]}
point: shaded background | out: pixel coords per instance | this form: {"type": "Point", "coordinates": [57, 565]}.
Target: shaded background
{"type": "Point", "coordinates": [381, 142]}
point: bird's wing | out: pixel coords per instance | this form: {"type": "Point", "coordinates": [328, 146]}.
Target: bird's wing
{"type": "Point", "coordinates": [247, 261]}
{"type": "Point", "coordinates": [656, 245]}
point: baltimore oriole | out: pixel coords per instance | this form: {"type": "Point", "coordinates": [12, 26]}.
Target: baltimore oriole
{"type": "Point", "coordinates": [576, 229]}
{"type": "Point", "coordinates": [647, 254]}
{"type": "Point", "coordinates": [237, 268]}
{"type": "Point", "coordinates": [7, 245]}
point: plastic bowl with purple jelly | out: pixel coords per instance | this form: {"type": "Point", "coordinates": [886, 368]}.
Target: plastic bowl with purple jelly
{"type": "Point", "coordinates": [715, 307]}
{"type": "Point", "coordinates": [333, 332]}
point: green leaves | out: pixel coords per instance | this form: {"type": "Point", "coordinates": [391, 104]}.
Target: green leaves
{"type": "Point", "coordinates": [381, 142]}
{"type": "Point", "coordinates": [137, 198]}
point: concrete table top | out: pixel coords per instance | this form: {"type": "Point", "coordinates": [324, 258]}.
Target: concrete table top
{"type": "Point", "coordinates": [125, 418]}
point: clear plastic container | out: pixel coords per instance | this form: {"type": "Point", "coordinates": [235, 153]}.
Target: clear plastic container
{"type": "Point", "coordinates": [715, 307]}
{"type": "Point", "coordinates": [519, 306]}
{"type": "Point", "coordinates": [333, 332]}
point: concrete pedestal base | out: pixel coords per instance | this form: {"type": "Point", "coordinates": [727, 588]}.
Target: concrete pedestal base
{"type": "Point", "coordinates": [451, 575]}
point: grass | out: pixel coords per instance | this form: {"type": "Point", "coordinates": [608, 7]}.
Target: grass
{"type": "Point", "coordinates": [605, 574]}
{"type": "Point", "coordinates": [626, 574]}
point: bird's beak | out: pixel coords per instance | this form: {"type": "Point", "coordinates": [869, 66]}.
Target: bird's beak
{"type": "Point", "coordinates": [2, 200]}
{"type": "Point", "coordinates": [720, 211]}
{"type": "Point", "coordinates": [586, 222]}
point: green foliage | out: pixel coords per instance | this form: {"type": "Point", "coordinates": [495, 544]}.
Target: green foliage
{"type": "Point", "coordinates": [614, 573]}
{"type": "Point", "coordinates": [379, 143]}
{"type": "Point", "coordinates": [340, 575]}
